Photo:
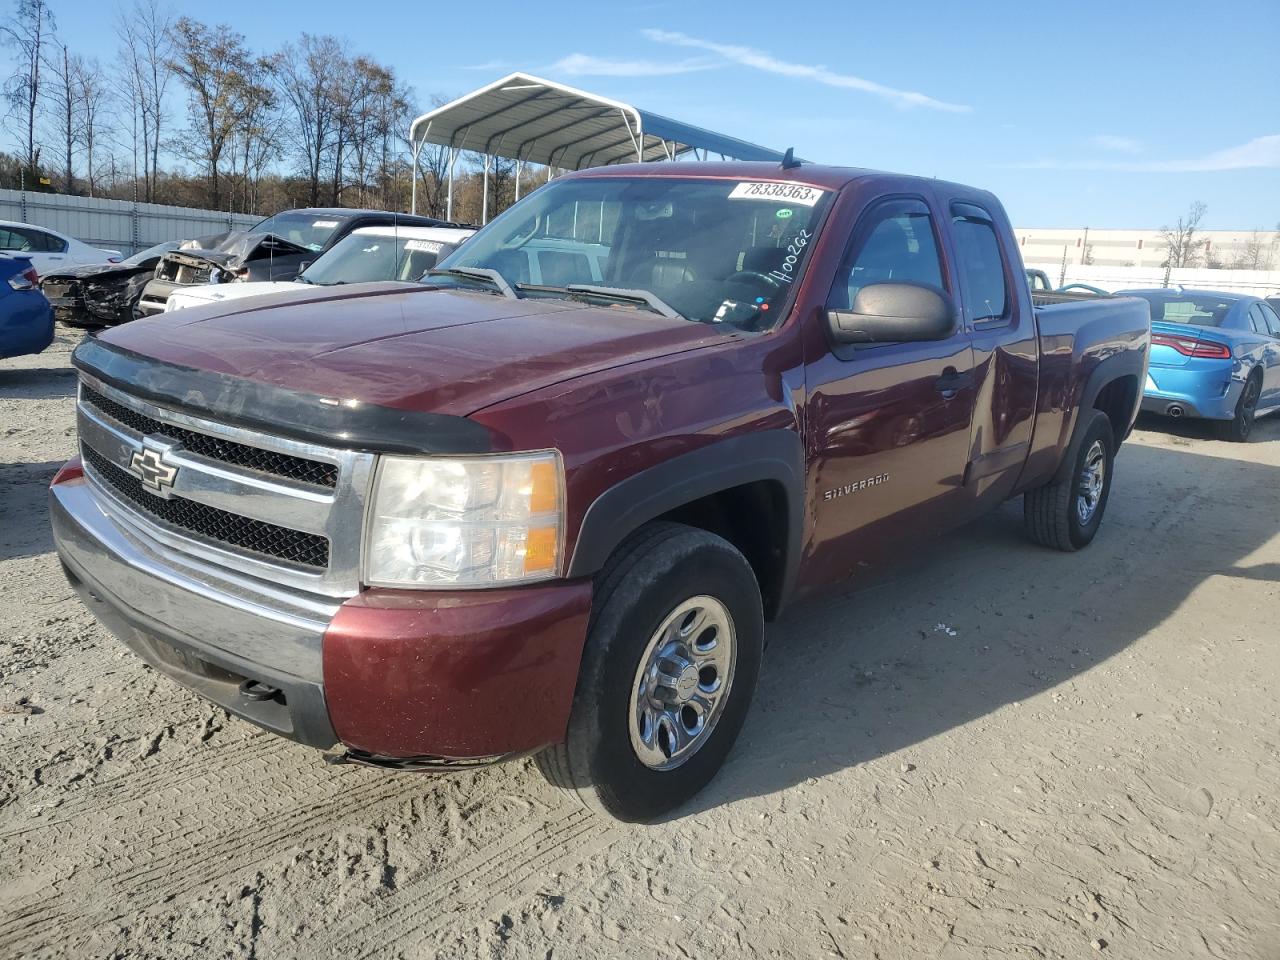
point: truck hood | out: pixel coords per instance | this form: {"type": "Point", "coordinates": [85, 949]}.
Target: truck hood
{"type": "Point", "coordinates": [408, 346]}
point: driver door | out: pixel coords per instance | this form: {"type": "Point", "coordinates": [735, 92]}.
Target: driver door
{"type": "Point", "coordinates": [887, 424]}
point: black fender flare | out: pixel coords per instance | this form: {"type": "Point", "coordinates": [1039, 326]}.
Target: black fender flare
{"type": "Point", "coordinates": [774, 455]}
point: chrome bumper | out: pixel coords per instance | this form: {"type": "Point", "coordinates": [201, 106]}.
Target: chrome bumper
{"type": "Point", "coordinates": [227, 637]}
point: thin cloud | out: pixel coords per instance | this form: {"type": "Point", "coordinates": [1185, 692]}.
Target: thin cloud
{"type": "Point", "coordinates": [490, 65]}
{"type": "Point", "coordinates": [759, 60]}
{"type": "Point", "coordinates": [1258, 153]}
{"type": "Point", "coordinates": [1114, 144]}
{"type": "Point", "coordinates": [585, 65]}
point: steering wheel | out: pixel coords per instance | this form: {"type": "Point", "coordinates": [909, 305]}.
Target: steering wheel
{"type": "Point", "coordinates": [772, 282]}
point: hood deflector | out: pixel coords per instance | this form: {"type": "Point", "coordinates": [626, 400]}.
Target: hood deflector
{"type": "Point", "coordinates": [280, 411]}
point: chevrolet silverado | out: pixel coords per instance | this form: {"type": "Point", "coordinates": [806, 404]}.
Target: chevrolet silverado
{"type": "Point", "coordinates": [545, 502]}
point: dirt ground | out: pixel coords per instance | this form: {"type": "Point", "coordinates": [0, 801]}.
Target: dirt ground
{"type": "Point", "coordinates": [996, 751]}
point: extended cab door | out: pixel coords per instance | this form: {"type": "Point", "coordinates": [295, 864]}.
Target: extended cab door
{"type": "Point", "coordinates": [1000, 319]}
{"type": "Point", "coordinates": [887, 424]}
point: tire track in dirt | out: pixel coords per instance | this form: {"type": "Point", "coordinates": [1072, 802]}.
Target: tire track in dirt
{"type": "Point", "coordinates": [480, 883]}
{"type": "Point", "coordinates": [166, 774]}
{"type": "Point", "coordinates": [180, 862]}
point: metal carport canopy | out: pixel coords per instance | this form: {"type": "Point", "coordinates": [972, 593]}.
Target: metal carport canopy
{"type": "Point", "coordinates": [532, 120]}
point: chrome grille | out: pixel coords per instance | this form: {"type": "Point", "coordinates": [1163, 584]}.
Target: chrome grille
{"type": "Point", "coordinates": [218, 448]}
{"type": "Point", "coordinates": [288, 512]}
{"type": "Point", "coordinates": [185, 516]}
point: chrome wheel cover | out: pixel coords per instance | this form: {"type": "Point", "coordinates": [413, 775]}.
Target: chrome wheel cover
{"type": "Point", "coordinates": [1093, 476]}
{"type": "Point", "coordinates": [682, 683]}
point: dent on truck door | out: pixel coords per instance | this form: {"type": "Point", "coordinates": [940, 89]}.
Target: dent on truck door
{"type": "Point", "coordinates": [1002, 328]}
{"type": "Point", "coordinates": [887, 424]}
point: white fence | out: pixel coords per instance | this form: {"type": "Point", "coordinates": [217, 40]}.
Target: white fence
{"type": "Point", "coordinates": [1256, 282]}
{"type": "Point", "coordinates": [117, 224]}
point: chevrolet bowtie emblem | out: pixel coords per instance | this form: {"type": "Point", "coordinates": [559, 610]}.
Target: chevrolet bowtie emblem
{"type": "Point", "coordinates": [157, 476]}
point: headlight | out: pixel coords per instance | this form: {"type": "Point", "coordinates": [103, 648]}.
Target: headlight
{"type": "Point", "coordinates": [465, 522]}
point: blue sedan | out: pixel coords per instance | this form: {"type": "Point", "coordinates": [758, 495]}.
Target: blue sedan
{"type": "Point", "coordinates": [1215, 356]}
{"type": "Point", "coordinates": [26, 318]}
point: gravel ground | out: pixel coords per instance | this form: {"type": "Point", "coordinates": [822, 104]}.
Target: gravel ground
{"type": "Point", "coordinates": [996, 751]}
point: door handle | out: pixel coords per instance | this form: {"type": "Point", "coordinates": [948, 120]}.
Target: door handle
{"type": "Point", "coordinates": [952, 382]}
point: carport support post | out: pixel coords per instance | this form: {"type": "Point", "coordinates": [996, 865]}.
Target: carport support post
{"type": "Point", "coordinates": [484, 201]}
{"type": "Point", "coordinates": [448, 203]}
{"type": "Point", "coordinates": [413, 184]}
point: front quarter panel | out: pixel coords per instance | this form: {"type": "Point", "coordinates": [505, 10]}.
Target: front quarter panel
{"type": "Point", "coordinates": [613, 425]}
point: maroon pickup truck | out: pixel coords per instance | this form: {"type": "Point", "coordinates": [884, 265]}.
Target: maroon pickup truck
{"type": "Point", "coordinates": [546, 500]}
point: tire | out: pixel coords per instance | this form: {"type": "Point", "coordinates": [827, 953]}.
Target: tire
{"type": "Point", "coordinates": [1239, 428]}
{"type": "Point", "coordinates": [656, 572]}
{"type": "Point", "coordinates": [1052, 514]}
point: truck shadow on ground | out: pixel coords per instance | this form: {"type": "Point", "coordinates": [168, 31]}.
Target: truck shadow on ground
{"type": "Point", "coordinates": [854, 677]}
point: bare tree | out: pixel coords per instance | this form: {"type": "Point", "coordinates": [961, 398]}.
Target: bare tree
{"type": "Point", "coordinates": [225, 85]}
{"type": "Point", "coordinates": [64, 95]}
{"type": "Point", "coordinates": [95, 101]}
{"type": "Point", "coordinates": [146, 49]}
{"type": "Point", "coordinates": [1256, 254]}
{"type": "Point", "coordinates": [308, 77]}
{"type": "Point", "coordinates": [1181, 242]}
{"type": "Point", "coordinates": [28, 31]}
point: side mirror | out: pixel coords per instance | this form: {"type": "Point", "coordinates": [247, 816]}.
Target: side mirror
{"type": "Point", "coordinates": [895, 312]}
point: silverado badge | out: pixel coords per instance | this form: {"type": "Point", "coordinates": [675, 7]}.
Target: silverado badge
{"type": "Point", "coordinates": [157, 476]}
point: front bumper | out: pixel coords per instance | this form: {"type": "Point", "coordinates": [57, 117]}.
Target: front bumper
{"type": "Point", "coordinates": [156, 294]}
{"type": "Point", "coordinates": [466, 674]}
{"type": "Point", "coordinates": [209, 630]}
{"type": "Point", "coordinates": [1208, 391]}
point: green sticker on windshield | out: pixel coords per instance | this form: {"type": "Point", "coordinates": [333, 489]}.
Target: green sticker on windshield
{"type": "Point", "coordinates": [784, 213]}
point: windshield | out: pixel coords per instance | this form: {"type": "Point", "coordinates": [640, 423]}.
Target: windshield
{"type": "Point", "coordinates": [359, 257]}
{"type": "Point", "coordinates": [158, 250]}
{"type": "Point", "coordinates": [714, 251]}
{"type": "Point", "coordinates": [1201, 310]}
{"type": "Point", "coordinates": [303, 228]}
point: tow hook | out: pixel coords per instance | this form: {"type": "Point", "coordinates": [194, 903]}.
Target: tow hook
{"type": "Point", "coordinates": [412, 764]}
{"type": "Point", "coordinates": [258, 691]}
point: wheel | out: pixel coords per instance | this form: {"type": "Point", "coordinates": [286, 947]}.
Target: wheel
{"type": "Point", "coordinates": [670, 664]}
{"type": "Point", "coordinates": [1065, 514]}
{"type": "Point", "coordinates": [1239, 427]}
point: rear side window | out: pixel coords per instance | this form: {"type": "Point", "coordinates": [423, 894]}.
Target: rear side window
{"type": "Point", "coordinates": [1272, 319]}
{"type": "Point", "coordinates": [895, 241]}
{"type": "Point", "coordinates": [47, 242]}
{"type": "Point", "coordinates": [981, 265]}
{"type": "Point", "coordinates": [1258, 320]}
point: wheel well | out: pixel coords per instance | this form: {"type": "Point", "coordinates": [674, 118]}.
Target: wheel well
{"type": "Point", "coordinates": [753, 517]}
{"type": "Point", "coordinates": [1117, 400]}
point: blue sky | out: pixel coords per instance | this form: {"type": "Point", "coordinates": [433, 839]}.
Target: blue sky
{"type": "Point", "coordinates": [1115, 114]}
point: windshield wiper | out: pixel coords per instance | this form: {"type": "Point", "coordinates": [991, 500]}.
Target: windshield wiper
{"type": "Point", "coordinates": [634, 297]}
{"type": "Point", "coordinates": [481, 273]}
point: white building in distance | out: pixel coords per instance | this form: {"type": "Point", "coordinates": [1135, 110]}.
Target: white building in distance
{"type": "Point", "coordinates": [1238, 249]}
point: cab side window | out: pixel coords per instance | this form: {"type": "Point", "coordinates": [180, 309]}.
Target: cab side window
{"type": "Point", "coordinates": [981, 264]}
{"type": "Point", "coordinates": [894, 241]}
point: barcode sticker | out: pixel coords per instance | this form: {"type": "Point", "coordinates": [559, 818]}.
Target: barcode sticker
{"type": "Point", "coordinates": [425, 246]}
{"type": "Point", "coordinates": [796, 193]}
